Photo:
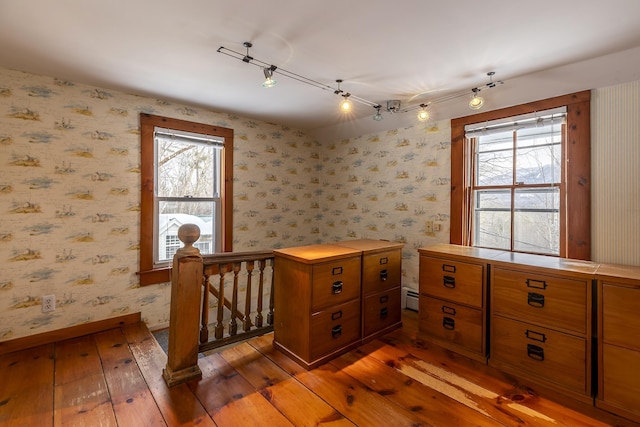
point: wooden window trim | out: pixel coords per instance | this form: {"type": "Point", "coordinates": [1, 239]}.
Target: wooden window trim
{"type": "Point", "coordinates": [148, 274]}
{"type": "Point", "coordinates": [576, 237]}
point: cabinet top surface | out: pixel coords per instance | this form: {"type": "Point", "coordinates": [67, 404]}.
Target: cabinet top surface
{"type": "Point", "coordinates": [547, 262]}
{"type": "Point", "coordinates": [458, 250]}
{"type": "Point", "coordinates": [316, 253]}
{"type": "Point", "coordinates": [618, 271]}
{"type": "Point", "coordinates": [372, 245]}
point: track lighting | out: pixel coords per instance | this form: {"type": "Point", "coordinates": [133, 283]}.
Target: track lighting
{"type": "Point", "coordinates": [347, 99]}
{"type": "Point", "coordinates": [477, 101]}
{"type": "Point", "coordinates": [345, 104]}
{"type": "Point", "coordinates": [423, 113]}
{"type": "Point", "coordinates": [378, 117]}
{"type": "Point", "coordinates": [268, 75]}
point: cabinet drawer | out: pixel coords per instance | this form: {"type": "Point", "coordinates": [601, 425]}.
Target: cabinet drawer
{"type": "Point", "coordinates": [621, 382]}
{"type": "Point", "coordinates": [381, 271]}
{"type": "Point", "coordinates": [334, 328]}
{"type": "Point", "coordinates": [550, 301]}
{"type": "Point", "coordinates": [542, 353]}
{"type": "Point", "coordinates": [452, 280]}
{"type": "Point", "coordinates": [620, 315]}
{"type": "Point", "coordinates": [451, 322]}
{"type": "Point", "coordinates": [335, 282]}
{"type": "Point", "coordinates": [380, 311]}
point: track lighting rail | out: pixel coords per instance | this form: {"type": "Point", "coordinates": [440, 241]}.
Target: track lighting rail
{"type": "Point", "coordinates": [393, 106]}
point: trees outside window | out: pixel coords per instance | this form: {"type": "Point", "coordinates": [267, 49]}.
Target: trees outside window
{"type": "Point", "coordinates": [186, 173]}
{"type": "Point", "coordinates": [515, 187]}
{"type": "Point", "coordinates": [524, 188]}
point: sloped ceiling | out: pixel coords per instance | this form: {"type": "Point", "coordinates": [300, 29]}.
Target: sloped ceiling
{"type": "Point", "coordinates": [413, 51]}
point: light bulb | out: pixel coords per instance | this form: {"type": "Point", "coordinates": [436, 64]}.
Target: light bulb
{"type": "Point", "coordinates": [345, 105]}
{"type": "Point", "coordinates": [269, 82]}
{"type": "Point", "coordinates": [378, 117]}
{"type": "Point", "coordinates": [423, 114]}
{"type": "Point", "coordinates": [476, 102]}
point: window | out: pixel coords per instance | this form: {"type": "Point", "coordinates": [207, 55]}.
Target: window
{"type": "Point", "coordinates": [524, 188]}
{"type": "Point", "coordinates": [186, 171]}
{"type": "Point", "coordinates": [187, 176]}
{"type": "Point", "coordinates": [516, 182]}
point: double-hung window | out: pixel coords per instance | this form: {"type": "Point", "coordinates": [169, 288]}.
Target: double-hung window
{"type": "Point", "coordinates": [186, 171]}
{"type": "Point", "coordinates": [187, 190]}
{"type": "Point", "coordinates": [521, 178]}
{"type": "Point", "coordinates": [516, 182]}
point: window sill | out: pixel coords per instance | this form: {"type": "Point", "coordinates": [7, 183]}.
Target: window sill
{"type": "Point", "coordinates": [155, 276]}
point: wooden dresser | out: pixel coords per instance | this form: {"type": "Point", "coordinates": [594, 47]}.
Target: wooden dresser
{"type": "Point", "coordinates": [570, 327]}
{"type": "Point", "coordinates": [381, 285]}
{"type": "Point", "coordinates": [541, 321]}
{"type": "Point", "coordinates": [330, 298]}
{"type": "Point", "coordinates": [453, 297]}
{"type": "Point", "coordinates": [619, 340]}
{"type": "Point", "coordinates": [317, 302]}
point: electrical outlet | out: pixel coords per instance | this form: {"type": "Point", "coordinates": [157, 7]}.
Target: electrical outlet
{"type": "Point", "coordinates": [428, 227]}
{"type": "Point", "coordinates": [48, 303]}
{"type": "Point", "coordinates": [437, 226]}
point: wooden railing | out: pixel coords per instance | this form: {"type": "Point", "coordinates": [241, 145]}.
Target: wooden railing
{"type": "Point", "coordinates": [232, 286]}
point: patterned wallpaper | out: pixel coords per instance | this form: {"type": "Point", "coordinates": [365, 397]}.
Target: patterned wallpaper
{"type": "Point", "coordinates": [70, 197]}
{"type": "Point", "coordinates": [70, 183]}
{"type": "Point", "coordinates": [387, 186]}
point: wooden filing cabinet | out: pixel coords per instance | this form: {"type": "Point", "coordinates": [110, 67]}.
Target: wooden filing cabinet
{"type": "Point", "coordinates": [619, 340]}
{"type": "Point", "coordinates": [453, 297]}
{"type": "Point", "coordinates": [317, 302]}
{"type": "Point", "coordinates": [381, 285]}
{"type": "Point", "coordinates": [541, 321]}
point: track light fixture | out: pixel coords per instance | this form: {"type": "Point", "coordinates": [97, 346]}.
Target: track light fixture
{"type": "Point", "coordinates": [423, 113]}
{"type": "Point", "coordinates": [268, 75]}
{"type": "Point", "coordinates": [378, 117]}
{"type": "Point", "coordinates": [345, 102]}
{"type": "Point", "coordinates": [477, 101]}
{"type": "Point", "coordinates": [347, 99]}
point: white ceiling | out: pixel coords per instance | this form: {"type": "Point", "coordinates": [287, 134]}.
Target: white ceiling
{"type": "Point", "coordinates": [412, 50]}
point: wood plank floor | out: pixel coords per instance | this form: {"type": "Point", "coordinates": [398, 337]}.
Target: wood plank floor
{"type": "Point", "coordinates": [114, 378]}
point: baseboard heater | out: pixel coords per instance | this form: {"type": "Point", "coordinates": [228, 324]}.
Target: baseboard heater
{"type": "Point", "coordinates": [409, 299]}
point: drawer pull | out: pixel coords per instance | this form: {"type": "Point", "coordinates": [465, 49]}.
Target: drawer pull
{"type": "Point", "coordinates": [448, 323]}
{"type": "Point", "coordinates": [536, 336]}
{"type": "Point", "coordinates": [448, 310]}
{"type": "Point", "coordinates": [384, 260]}
{"type": "Point", "coordinates": [337, 287]}
{"type": "Point", "coordinates": [535, 300]}
{"type": "Point", "coordinates": [384, 299]}
{"type": "Point", "coordinates": [449, 268]}
{"type": "Point", "coordinates": [449, 282]}
{"type": "Point", "coordinates": [336, 271]}
{"type": "Point", "coordinates": [384, 275]}
{"type": "Point", "coordinates": [337, 315]}
{"type": "Point", "coordinates": [537, 284]}
{"type": "Point", "coordinates": [336, 331]}
{"type": "Point", "coordinates": [535, 352]}
{"type": "Point", "coordinates": [384, 312]}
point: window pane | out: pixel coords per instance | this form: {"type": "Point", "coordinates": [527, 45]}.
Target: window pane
{"type": "Point", "coordinates": [174, 214]}
{"type": "Point", "coordinates": [186, 170]}
{"type": "Point", "coordinates": [494, 160]}
{"type": "Point", "coordinates": [536, 224]}
{"type": "Point", "coordinates": [538, 153]}
{"type": "Point", "coordinates": [492, 226]}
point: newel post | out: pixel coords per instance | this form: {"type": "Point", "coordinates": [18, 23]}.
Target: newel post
{"type": "Point", "coordinates": [186, 291]}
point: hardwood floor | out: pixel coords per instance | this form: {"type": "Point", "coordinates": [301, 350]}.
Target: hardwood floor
{"type": "Point", "coordinates": [114, 378]}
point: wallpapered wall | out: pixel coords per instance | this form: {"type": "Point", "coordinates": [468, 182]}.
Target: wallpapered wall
{"type": "Point", "coordinates": [70, 194]}
{"type": "Point", "coordinates": [386, 186]}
